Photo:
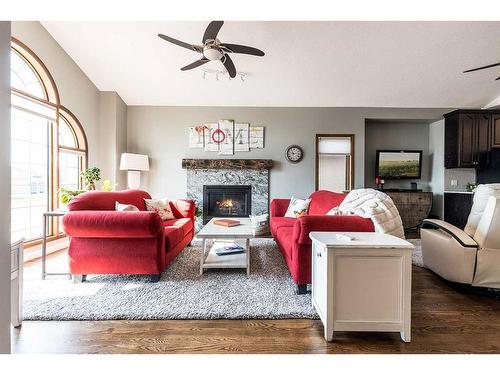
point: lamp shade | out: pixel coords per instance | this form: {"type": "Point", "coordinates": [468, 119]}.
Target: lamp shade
{"type": "Point", "coordinates": [134, 162]}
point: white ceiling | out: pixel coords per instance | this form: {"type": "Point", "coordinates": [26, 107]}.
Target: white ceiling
{"type": "Point", "coordinates": [340, 64]}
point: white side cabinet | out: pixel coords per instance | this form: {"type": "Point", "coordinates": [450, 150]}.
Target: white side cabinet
{"type": "Point", "coordinates": [363, 284]}
{"type": "Point", "coordinates": [16, 282]}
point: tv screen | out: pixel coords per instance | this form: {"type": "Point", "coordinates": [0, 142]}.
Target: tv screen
{"type": "Point", "coordinates": [396, 165]}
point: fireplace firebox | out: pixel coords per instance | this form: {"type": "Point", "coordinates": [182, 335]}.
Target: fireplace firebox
{"type": "Point", "coordinates": [226, 201]}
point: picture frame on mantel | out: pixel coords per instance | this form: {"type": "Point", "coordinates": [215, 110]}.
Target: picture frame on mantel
{"type": "Point", "coordinates": [256, 136]}
{"type": "Point", "coordinates": [210, 130]}
{"type": "Point", "coordinates": [241, 137]}
{"type": "Point", "coordinates": [226, 137]}
{"type": "Point", "coordinates": [196, 136]}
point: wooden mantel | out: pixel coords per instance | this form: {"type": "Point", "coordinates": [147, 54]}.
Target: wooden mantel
{"type": "Point", "coordinates": [227, 163]}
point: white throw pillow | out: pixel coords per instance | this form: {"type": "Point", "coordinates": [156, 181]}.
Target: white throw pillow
{"type": "Point", "coordinates": [125, 207]}
{"type": "Point", "coordinates": [160, 206]}
{"type": "Point", "coordinates": [481, 195]}
{"type": "Point", "coordinates": [297, 207]}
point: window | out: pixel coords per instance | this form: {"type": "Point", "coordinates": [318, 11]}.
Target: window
{"type": "Point", "coordinates": [334, 162]}
{"type": "Point", "coordinates": [48, 145]}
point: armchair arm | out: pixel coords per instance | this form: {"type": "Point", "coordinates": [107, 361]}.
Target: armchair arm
{"type": "Point", "coordinates": [279, 206]}
{"type": "Point", "coordinates": [327, 223]}
{"type": "Point", "coordinates": [112, 224]}
{"type": "Point", "coordinates": [183, 208]}
{"type": "Point", "coordinates": [463, 238]}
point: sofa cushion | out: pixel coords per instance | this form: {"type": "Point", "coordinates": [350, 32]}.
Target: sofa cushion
{"type": "Point", "coordinates": [278, 222]}
{"type": "Point", "coordinates": [173, 236]}
{"type": "Point", "coordinates": [323, 201]}
{"type": "Point", "coordinates": [481, 195]}
{"type": "Point", "coordinates": [105, 200]}
{"type": "Point", "coordinates": [185, 225]}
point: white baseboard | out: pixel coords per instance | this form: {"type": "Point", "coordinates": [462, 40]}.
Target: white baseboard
{"type": "Point", "coordinates": [35, 252]}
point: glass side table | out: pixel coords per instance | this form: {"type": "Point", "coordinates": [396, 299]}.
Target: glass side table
{"type": "Point", "coordinates": [46, 217]}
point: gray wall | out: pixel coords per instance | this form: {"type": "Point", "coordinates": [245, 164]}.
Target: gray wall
{"type": "Point", "coordinates": [161, 133]}
{"type": "Point", "coordinates": [396, 135]}
{"type": "Point", "coordinates": [121, 141]}
{"type": "Point", "coordinates": [112, 129]}
{"type": "Point", "coordinates": [5, 187]}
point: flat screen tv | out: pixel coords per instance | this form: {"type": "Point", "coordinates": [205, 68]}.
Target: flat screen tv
{"type": "Point", "coordinates": [399, 164]}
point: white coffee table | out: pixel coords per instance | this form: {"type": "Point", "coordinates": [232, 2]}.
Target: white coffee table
{"type": "Point", "coordinates": [224, 236]}
{"type": "Point", "coordinates": [363, 284]}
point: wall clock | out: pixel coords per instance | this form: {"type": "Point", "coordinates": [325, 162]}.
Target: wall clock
{"type": "Point", "coordinates": [294, 153]}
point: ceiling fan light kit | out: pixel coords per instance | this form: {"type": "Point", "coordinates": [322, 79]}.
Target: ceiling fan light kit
{"type": "Point", "coordinates": [215, 74]}
{"type": "Point", "coordinates": [212, 49]}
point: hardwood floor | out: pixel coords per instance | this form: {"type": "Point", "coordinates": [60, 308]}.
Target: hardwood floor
{"type": "Point", "coordinates": [444, 320]}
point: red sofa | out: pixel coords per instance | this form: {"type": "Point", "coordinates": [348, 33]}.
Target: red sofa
{"type": "Point", "coordinates": [105, 241]}
{"type": "Point", "coordinates": [292, 235]}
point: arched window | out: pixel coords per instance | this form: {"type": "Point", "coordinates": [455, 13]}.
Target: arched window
{"type": "Point", "coordinates": [49, 147]}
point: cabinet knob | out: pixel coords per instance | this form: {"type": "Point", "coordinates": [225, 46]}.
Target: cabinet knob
{"type": "Point", "coordinates": [318, 254]}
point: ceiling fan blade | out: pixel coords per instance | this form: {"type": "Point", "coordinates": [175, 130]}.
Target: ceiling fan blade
{"type": "Point", "coordinates": [212, 30]}
{"type": "Point", "coordinates": [179, 43]}
{"type": "Point", "coordinates": [195, 64]}
{"type": "Point", "coordinates": [229, 65]}
{"type": "Point", "coordinates": [482, 67]}
{"type": "Point", "coordinates": [237, 48]}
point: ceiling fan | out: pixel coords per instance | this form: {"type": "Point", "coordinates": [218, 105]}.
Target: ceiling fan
{"type": "Point", "coordinates": [212, 49]}
{"type": "Point", "coordinates": [484, 67]}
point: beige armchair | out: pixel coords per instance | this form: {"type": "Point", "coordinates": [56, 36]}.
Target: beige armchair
{"type": "Point", "coordinates": [461, 257]}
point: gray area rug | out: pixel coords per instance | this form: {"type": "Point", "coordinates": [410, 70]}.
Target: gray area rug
{"type": "Point", "coordinates": [267, 293]}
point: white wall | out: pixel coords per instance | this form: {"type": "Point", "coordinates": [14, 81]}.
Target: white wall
{"type": "Point", "coordinates": [5, 187]}
{"type": "Point", "coordinates": [161, 133]}
{"type": "Point", "coordinates": [436, 156]}
{"type": "Point", "coordinates": [113, 132]}
{"type": "Point", "coordinates": [76, 91]}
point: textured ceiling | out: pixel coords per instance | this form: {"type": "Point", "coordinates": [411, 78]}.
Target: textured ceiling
{"type": "Point", "coordinates": [341, 64]}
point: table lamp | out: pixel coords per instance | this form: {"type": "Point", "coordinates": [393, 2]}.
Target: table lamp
{"type": "Point", "coordinates": [134, 164]}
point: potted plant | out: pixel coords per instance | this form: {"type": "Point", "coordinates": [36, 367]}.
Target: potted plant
{"type": "Point", "coordinates": [65, 195]}
{"type": "Point", "coordinates": [470, 187]}
{"type": "Point", "coordinates": [90, 177]}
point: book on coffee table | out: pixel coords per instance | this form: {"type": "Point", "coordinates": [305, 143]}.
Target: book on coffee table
{"type": "Point", "coordinates": [231, 249]}
{"type": "Point", "coordinates": [226, 222]}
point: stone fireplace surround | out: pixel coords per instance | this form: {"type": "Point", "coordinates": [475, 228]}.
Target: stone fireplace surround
{"type": "Point", "coordinates": [253, 172]}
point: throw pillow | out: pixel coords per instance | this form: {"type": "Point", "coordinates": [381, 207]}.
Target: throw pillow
{"type": "Point", "coordinates": [160, 206]}
{"type": "Point", "coordinates": [297, 207]}
{"type": "Point", "coordinates": [125, 207]}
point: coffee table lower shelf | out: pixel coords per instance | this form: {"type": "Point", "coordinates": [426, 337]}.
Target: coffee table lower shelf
{"type": "Point", "coordinates": [212, 260]}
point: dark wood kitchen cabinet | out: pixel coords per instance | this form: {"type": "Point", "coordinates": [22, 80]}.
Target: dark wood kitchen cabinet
{"type": "Point", "coordinates": [495, 126]}
{"type": "Point", "coordinates": [468, 138]}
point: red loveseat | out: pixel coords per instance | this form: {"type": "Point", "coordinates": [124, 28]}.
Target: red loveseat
{"type": "Point", "coordinates": [292, 235]}
{"type": "Point", "coordinates": [105, 241]}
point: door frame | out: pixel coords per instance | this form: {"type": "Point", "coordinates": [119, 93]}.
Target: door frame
{"type": "Point", "coordinates": [349, 176]}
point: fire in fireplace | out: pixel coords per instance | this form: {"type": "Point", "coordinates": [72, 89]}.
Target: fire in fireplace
{"type": "Point", "coordinates": [226, 201]}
